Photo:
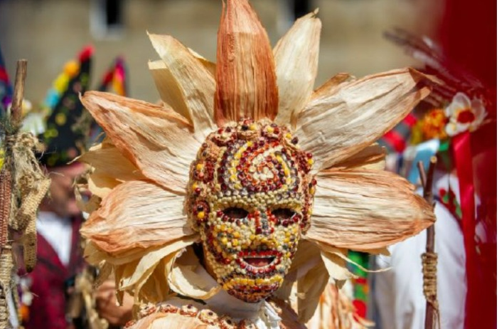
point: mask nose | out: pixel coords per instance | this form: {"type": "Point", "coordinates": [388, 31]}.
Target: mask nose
{"type": "Point", "coordinates": [262, 224]}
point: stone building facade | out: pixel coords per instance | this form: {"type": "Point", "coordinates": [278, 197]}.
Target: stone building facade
{"type": "Point", "coordinates": [49, 32]}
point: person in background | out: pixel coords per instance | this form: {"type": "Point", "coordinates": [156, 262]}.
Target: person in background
{"type": "Point", "coordinates": [59, 252]}
{"type": "Point", "coordinates": [456, 127]}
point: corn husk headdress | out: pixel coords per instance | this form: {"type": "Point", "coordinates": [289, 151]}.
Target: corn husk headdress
{"type": "Point", "coordinates": [138, 226]}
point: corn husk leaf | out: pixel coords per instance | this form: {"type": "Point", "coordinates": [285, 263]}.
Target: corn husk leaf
{"type": "Point", "coordinates": [332, 85]}
{"type": "Point", "coordinates": [309, 290]}
{"type": "Point", "coordinates": [337, 125]}
{"type": "Point", "coordinates": [156, 288]}
{"type": "Point", "coordinates": [366, 209]}
{"type": "Point", "coordinates": [101, 155]}
{"type": "Point", "coordinates": [185, 83]}
{"type": "Point", "coordinates": [138, 274]}
{"type": "Point", "coordinates": [373, 157]}
{"type": "Point", "coordinates": [335, 263]}
{"type": "Point", "coordinates": [153, 138]}
{"type": "Point", "coordinates": [143, 268]}
{"type": "Point", "coordinates": [101, 184]}
{"type": "Point", "coordinates": [185, 281]}
{"type": "Point", "coordinates": [246, 85]}
{"type": "Point", "coordinates": [296, 61]}
{"type": "Point", "coordinates": [210, 66]}
{"type": "Point", "coordinates": [137, 214]}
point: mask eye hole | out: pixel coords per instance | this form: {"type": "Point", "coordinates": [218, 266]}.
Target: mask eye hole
{"type": "Point", "coordinates": [235, 213]}
{"type": "Point", "coordinates": [283, 213]}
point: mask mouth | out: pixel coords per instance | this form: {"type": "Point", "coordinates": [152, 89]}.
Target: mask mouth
{"type": "Point", "coordinates": [259, 261]}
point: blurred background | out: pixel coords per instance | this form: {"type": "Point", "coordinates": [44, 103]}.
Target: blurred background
{"type": "Point", "coordinates": [50, 32]}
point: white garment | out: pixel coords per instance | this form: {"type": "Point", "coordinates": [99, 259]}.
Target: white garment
{"type": "Point", "coordinates": [398, 293]}
{"type": "Point", "coordinates": [58, 232]}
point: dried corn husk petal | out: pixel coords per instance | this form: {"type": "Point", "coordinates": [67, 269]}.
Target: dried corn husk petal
{"type": "Point", "coordinates": [101, 155]}
{"type": "Point", "coordinates": [337, 125]}
{"type": "Point", "coordinates": [101, 184]}
{"type": "Point", "coordinates": [185, 281]}
{"type": "Point", "coordinates": [143, 268]}
{"type": "Point", "coordinates": [366, 209]}
{"type": "Point", "coordinates": [151, 137]}
{"type": "Point", "coordinates": [334, 260]}
{"type": "Point", "coordinates": [296, 61]}
{"type": "Point", "coordinates": [138, 274]}
{"type": "Point", "coordinates": [246, 85]}
{"type": "Point", "coordinates": [185, 83]}
{"type": "Point", "coordinates": [309, 290]}
{"type": "Point", "coordinates": [156, 288]}
{"type": "Point", "coordinates": [210, 66]}
{"type": "Point", "coordinates": [336, 311]}
{"type": "Point", "coordinates": [372, 157]}
{"type": "Point", "coordinates": [137, 214]}
{"type": "Point", "coordinates": [332, 85]}
{"type": "Point", "coordinates": [309, 274]}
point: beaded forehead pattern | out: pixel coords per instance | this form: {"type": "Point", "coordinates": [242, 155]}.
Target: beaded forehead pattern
{"type": "Point", "coordinates": [256, 167]}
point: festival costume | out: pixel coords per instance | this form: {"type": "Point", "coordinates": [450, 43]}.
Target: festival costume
{"type": "Point", "coordinates": [60, 124]}
{"type": "Point", "coordinates": [459, 117]}
{"type": "Point", "coordinates": [244, 184]}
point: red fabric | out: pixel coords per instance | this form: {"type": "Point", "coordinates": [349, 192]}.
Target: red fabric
{"type": "Point", "coordinates": [470, 40]}
{"type": "Point", "coordinates": [463, 162]}
{"type": "Point", "coordinates": [397, 141]}
{"type": "Point", "coordinates": [469, 37]}
{"type": "Point", "coordinates": [3, 75]}
{"type": "Point", "coordinates": [410, 120]}
{"type": "Point", "coordinates": [48, 284]}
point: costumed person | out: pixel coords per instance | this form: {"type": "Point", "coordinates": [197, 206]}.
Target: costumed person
{"type": "Point", "coordinates": [461, 107]}
{"type": "Point", "coordinates": [59, 219]}
{"type": "Point", "coordinates": [245, 183]}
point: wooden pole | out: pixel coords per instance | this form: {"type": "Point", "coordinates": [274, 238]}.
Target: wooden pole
{"type": "Point", "coordinates": [16, 109]}
{"type": "Point", "coordinates": [427, 181]}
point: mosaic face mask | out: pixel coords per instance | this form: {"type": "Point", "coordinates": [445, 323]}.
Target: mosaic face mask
{"type": "Point", "coordinates": [250, 197]}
